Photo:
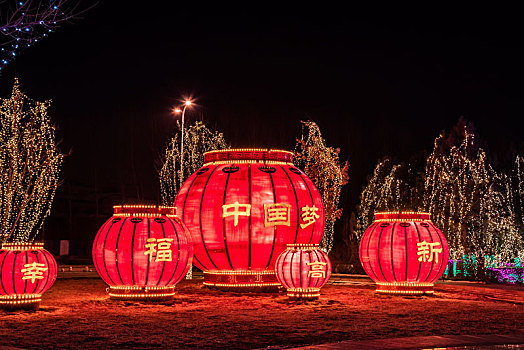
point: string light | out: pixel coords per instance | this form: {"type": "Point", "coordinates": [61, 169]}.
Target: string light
{"type": "Point", "coordinates": [21, 246]}
{"type": "Point", "coordinates": [140, 292]}
{"type": "Point", "coordinates": [30, 21]}
{"type": "Point", "coordinates": [16, 300]}
{"type": "Point", "coordinates": [322, 165]}
{"type": "Point", "coordinates": [303, 293]}
{"type": "Point", "coordinates": [479, 210]}
{"type": "Point", "coordinates": [404, 288]}
{"type": "Point", "coordinates": [29, 166]}
{"type": "Point", "coordinates": [198, 139]}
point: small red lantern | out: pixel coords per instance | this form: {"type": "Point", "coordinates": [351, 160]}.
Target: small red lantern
{"type": "Point", "coordinates": [404, 252]}
{"type": "Point", "coordinates": [142, 252]}
{"type": "Point", "coordinates": [27, 270]}
{"type": "Point", "coordinates": [303, 269]}
{"type": "Point", "coordinates": [242, 208]}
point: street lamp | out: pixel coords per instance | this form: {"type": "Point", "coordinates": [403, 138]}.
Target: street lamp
{"type": "Point", "coordinates": [187, 103]}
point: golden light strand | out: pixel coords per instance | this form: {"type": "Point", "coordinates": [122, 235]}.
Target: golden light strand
{"type": "Point", "coordinates": [29, 166]}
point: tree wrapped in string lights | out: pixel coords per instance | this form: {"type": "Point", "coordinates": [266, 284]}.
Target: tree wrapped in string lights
{"type": "Point", "coordinates": [25, 22]}
{"type": "Point", "coordinates": [198, 139]}
{"type": "Point", "coordinates": [29, 166]}
{"type": "Point", "coordinates": [322, 165]}
{"type": "Point", "coordinates": [476, 206]}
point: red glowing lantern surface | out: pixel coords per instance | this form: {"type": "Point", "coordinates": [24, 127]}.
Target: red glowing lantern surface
{"type": "Point", "coordinates": [242, 208]}
{"type": "Point", "coordinates": [404, 252]}
{"type": "Point", "coordinates": [142, 252]}
{"type": "Point", "coordinates": [303, 269]}
{"type": "Point", "coordinates": [27, 270]}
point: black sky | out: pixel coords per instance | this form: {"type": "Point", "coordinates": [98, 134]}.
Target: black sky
{"type": "Point", "coordinates": [377, 86]}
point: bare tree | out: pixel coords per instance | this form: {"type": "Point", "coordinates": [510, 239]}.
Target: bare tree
{"type": "Point", "coordinates": [25, 22]}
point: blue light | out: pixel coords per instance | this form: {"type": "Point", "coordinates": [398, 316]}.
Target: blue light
{"type": "Point", "coordinates": [20, 3]}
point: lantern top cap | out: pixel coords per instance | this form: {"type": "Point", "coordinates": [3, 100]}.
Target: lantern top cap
{"type": "Point", "coordinates": [144, 210]}
{"type": "Point", "coordinates": [248, 155]}
{"type": "Point", "coordinates": [302, 246]}
{"type": "Point", "coordinates": [22, 246]}
{"type": "Point", "coordinates": [402, 216]}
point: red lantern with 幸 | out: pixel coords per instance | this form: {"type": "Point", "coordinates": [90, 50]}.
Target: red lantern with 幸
{"type": "Point", "coordinates": [303, 269]}
{"type": "Point", "coordinates": [404, 252]}
{"type": "Point", "coordinates": [242, 208]}
{"type": "Point", "coordinates": [142, 252]}
{"type": "Point", "coordinates": [27, 270]}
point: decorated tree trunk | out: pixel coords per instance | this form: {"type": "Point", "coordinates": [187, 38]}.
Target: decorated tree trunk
{"type": "Point", "coordinates": [404, 253]}
{"type": "Point", "coordinates": [303, 269]}
{"type": "Point", "coordinates": [27, 270]}
{"type": "Point", "coordinates": [142, 252]}
{"type": "Point", "coordinates": [242, 208]}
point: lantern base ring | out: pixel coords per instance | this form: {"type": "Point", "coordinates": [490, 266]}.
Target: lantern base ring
{"type": "Point", "coordinates": [404, 288]}
{"type": "Point", "coordinates": [20, 302]}
{"type": "Point", "coordinates": [242, 280]}
{"type": "Point", "coordinates": [137, 293]}
{"type": "Point", "coordinates": [303, 293]}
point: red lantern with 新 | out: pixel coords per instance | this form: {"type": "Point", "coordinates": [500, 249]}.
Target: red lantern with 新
{"type": "Point", "coordinates": [27, 270]}
{"type": "Point", "coordinates": [404, 252]}
{"type": "Point", "coordinates": [303, 269]}
{"type": "Point", "coordinates": [142, 252]}
{"type": "Point", "coordinates": [242, 207]}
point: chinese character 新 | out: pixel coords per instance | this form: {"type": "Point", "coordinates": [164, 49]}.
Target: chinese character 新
{"type": "Point", "coordinates": [160, 247]}
{"type": "Point", "coordinates": [33, 272]}
{"type": "Point", "coordinates": [277, 214]}
{"type": "Point", "coordinates": [309, 215]}
{"type": "Point", "coordinates": [237, 210]}
{"type": "Point", "coordinates": [317, 269]}
{"type": "Point", "coordinates": [428, 251]}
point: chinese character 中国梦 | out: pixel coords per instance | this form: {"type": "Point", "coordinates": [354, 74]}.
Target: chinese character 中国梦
{"type": "Point", "coordinates": [277, 214]}
{"type": "Point", "coordinates": [309, 215]}
{"type": "Point", "coordinates": [238, 210]}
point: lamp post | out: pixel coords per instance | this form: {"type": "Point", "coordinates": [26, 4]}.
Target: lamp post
{"type": "Point", "coordinates": [187, 103]}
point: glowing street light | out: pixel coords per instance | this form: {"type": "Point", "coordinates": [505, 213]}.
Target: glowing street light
{"type": "Point", "coordinates": [177, 110]}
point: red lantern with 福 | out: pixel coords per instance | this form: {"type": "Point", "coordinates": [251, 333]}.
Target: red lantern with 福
{"type": "Point", "coordinates": [242, 207]}
{"type": "Point", "coordinates": [404, 252]}
{"type": "Point", "coordinates": [27, 270]}
{"type": "Point", "coordinates": [142, 252]}
{"type": "Point", "coordinates": [303, 269]}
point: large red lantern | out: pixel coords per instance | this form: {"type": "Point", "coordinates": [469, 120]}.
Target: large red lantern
{"type": "Point", "coordinates": [404, 252]}
{"type": "Point", "coordinates": [303, 269]}
{"type": "Point", "coordinates": [142, 252]}
{"type": "Point", "coordinates": [242, 207]}
{"type": "Point", "coordinates": [27, 270]}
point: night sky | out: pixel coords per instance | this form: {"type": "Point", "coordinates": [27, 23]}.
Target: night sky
{"type": "Point", "coordinates": [376, 85]}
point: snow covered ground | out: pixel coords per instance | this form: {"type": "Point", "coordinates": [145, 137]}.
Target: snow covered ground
{"type": "Point", "coordinates": [76, 313]}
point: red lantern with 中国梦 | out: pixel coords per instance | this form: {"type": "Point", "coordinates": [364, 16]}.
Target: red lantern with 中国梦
{"type": "Point", "coordinates": [142, 252]}
{"type": "Point", "coordinates": [404, 252]}
{"type": "Point", "coordinates": [242, 207]}
{"type": "Point", "coordinates": [303, 269]}
{"type": "Point", "coordinates": [27, 270]}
